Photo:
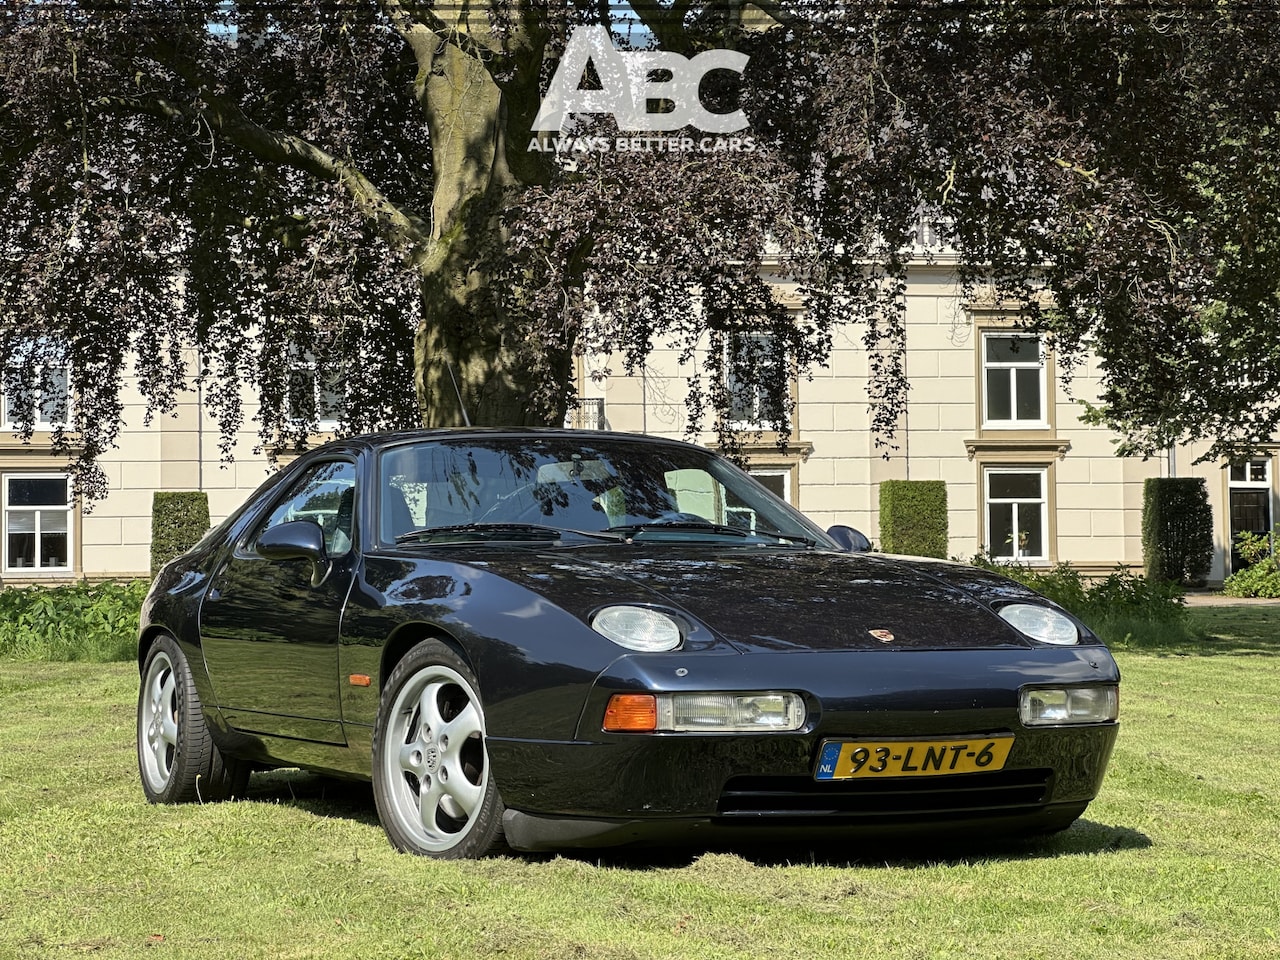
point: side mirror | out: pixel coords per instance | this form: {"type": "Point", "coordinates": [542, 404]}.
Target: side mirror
{"type": "Point", "coordinates": [849, 539]}
{"type": "Point", "coordinates": [296, 540]}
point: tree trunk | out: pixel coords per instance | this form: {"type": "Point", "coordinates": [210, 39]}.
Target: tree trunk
{"type": "Point", "coordinates": [466, 353]}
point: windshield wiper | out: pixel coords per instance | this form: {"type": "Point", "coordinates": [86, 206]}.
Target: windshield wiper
{"type": "Point", "coordinates": [707, 525]}
{"type": "Point", "coordinates": [528, 529]}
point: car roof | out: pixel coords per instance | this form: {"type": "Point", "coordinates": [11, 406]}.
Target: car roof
{"type": "Point", "coordinates": [372, 441]}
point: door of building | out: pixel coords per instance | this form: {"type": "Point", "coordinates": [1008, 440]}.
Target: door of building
{"type": "Point", "coordinates": [1249, 487]}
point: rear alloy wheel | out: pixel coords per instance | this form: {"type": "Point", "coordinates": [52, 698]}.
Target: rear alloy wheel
{"type": "Point", "coordinates": [177, 758]}
{"type": "Point", "coordinates": [431, 777]}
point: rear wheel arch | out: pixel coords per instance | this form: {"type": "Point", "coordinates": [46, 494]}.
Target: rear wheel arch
{"type": "Point", "coordinates": [178, 759]}
{"type": "Point", "coordinates": [148, 639]}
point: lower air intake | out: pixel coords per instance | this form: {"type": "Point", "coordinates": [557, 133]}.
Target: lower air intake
{"type": "Point", "coordinates": [968, 795]}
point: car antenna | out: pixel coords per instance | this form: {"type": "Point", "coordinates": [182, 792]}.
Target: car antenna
{"type": "Point", "coordinates": [466, 421]}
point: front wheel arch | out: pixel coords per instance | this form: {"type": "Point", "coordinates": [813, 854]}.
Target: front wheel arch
{"type": "Point", "coordinates": [407, 636]}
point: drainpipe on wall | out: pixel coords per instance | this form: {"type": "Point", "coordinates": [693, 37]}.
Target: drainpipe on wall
{"type": "Point", "coordinates": [199, 424]}
{"type": "Point", "coordinates": [1173, 460]}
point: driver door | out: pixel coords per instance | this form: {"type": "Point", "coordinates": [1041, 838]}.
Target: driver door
{"type": "Point", "coordinates": [270, 637]}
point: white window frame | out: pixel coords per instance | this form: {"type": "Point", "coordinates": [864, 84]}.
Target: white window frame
{"type": "Point", "coordinates": [1039, 363]}
{"type": "Point", "coordinates": [783, 472]}
{"type": "Point", "coordinates": [6, 511]}
{"type": "Point", "coordinates": [40, 423]}
{"type": "Point", "coordinates": [987, 501]}
{"type": "Point", "coordinates": [1246, 482]}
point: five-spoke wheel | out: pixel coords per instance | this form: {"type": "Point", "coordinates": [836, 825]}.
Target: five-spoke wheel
{"type": "Point", "coordinates": [158, 722]}
{"type": "Point", "coordinates": [430, 768]}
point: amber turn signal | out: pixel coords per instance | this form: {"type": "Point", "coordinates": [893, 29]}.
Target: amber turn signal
{"type": "Point", "coordinates": [360, 680]}
{"type": "Point", "coordinates": [631, 713]}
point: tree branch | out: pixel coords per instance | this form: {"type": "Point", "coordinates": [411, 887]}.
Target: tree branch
{"type": "Point", "coordinates": [224, 117]}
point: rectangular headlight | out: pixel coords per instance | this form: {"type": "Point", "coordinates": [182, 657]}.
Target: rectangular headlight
{"type": "Point", "coordinates": [704, 713]}
{"type": "Point", "coordinates": [1058, 706]}
{"type": "Point", "coordinates": [730, 712]}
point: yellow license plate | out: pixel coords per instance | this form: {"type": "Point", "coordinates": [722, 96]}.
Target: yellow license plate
{"type": "Point", "coordinates": [882, 759]}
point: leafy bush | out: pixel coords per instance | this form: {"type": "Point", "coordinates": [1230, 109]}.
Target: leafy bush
{"type": "Point", "coordinates": [1177, 529]}
{"type": "Point", "coordinates": [95, 622]}
{"type": "Point", "coordinates": [1122, 608]}
{"type": "Point", "coordinates": [913, 517]}
{"type": "Point", "coordinates": [178, 521]}
{"type": "Point", "coordinates": [1262, 577]}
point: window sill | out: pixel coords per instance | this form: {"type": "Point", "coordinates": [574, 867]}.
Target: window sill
{"type": "Point", "coordinates": [766, 449]}
{"type": "Point", "coordinates": [1015, 426]}
{"type": "Point", "coordinates": [36, 574]}
{"type": "Point", "coordinates": [40, 445]}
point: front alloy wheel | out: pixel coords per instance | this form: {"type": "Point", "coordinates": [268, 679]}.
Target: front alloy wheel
{"type": "Point", "coordinates": [431, 775]}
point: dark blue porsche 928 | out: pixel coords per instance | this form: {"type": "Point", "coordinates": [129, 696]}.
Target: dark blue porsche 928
{"type": "Point", "coordinates": [555, 639]}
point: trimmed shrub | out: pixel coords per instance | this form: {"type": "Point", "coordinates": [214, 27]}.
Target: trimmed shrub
{"type": "Point", "coordinates": [1262, 577]}
{"type": "Point", "coordinates": [94, 622]}
{"type": "Point", "coordinates": [178, 521]}
{"type": "Point", "coordinates": [913, 517]}
{"type": "Point", "coordinates": [1177, 529]}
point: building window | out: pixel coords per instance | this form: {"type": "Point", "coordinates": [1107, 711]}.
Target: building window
{"type": "Point", "coordinates": [44, 391]}
{"type": "Point", "coordinates": [1017, 514]}
{"type": "Point", "coordinates": [777, 480]}
{"type": "Point", "coordinates": [1013, 372]}
{"type": "Point", "coordinates": [312, 389]}
{"type": "Point", "coordinates": [753, 405]}
{"type": "Point", "coordinates": [37, 523]}
{"type": "Point", "coordinates": [1255, 471]}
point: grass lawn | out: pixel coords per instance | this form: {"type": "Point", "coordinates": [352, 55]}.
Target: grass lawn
{"type": "Point", "coordinates": [1180, 856]}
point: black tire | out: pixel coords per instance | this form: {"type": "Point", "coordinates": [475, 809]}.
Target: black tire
{"type": "Point", "coordinates": [429, 748]}
{"type": "Point", "coordinates": [177, 759]}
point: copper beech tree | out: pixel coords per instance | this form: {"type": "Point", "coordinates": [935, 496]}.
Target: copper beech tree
{"type": "Point", "coordinates": [248, 191]}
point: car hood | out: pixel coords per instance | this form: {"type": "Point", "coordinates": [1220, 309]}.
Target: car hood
{"type": "Point", "coordinates": [763, 599]}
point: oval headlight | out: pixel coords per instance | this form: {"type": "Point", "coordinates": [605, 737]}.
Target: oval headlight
{"type": "Point", "coordinates": [637, 628]}
{"type": "Point", "coordinates": [1040, 623]}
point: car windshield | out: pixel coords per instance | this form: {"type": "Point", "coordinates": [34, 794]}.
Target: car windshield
{"type": "Point", "coordinates": [637, 490]}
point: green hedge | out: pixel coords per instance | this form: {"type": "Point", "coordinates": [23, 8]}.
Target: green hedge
{"type": "Point", "coordinates": [1121, 608]}
{"type": "Point", "coordinates": [1177, 529]}
{"type": "Point", "coordinates": [178, 521]}
{"type": "Point", "coordinates": [913, 517]}
{"type": "Point", "coordinates": [1262, 577]}
{"type": "Point", "coordinates": [95, 622]}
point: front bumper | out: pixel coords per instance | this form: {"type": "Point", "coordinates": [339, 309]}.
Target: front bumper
{"type": "Point", "coordinates": [615, 788]}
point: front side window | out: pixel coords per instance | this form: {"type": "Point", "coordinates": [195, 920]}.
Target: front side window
{"type": "Point", "coordinates": [777, 482]}
{"type": "Point", "coordinates": [37, 523]}
{"type": "Point", "coordinates": [324, 495]}
{"type": "Point", "coordinates": [1017, 514]}
{"type": "Point", "coordinates": [1013, 373]}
